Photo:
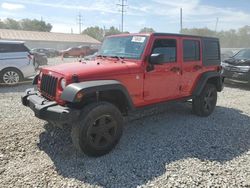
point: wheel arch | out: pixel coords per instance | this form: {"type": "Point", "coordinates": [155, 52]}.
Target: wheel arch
{"type": "Point", "coordinates": [100, 90]}
{"type": "Point", "coordinates": [15, 68]}
{"type": "Point", "coordinates": [209, 77]}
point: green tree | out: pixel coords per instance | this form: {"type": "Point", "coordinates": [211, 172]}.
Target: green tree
{"type": "Point", "coordinates": [2, 25]}
{"type": "Point", "coordinates": [228, 39]}
{"type": "Point", "coordinates": [244, 36]}
{"type": "Point", "coordinates": [25, 24]}
{"type": "Point", "coordinates": [95, 32]}
{"type": "Point", "coordinates": [11, 24]}
{"type": "Point", "coordinates": [35, 25]}
{"type": "Point", "coordinates": [99, 33]}
{"type": "Point", "coordinates": [199, 31]}
{"type": "Point", "coordinates": [147, 30]}
{"type": "Point", "coordinates": [112, 31]}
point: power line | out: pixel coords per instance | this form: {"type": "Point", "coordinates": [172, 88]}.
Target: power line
{"type": "Point", "coordinates": [122, 5]}
{"type": "Point", "coordinates": [80, 22]}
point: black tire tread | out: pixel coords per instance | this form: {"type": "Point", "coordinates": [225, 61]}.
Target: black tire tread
{"type": "Point", "coordinates": [79, 126]}
{"type": "Point", "coordinates": [197, 106]}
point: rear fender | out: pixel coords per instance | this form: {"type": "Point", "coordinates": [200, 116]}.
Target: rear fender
{"type": "Point", "coordinates": [209, 77]}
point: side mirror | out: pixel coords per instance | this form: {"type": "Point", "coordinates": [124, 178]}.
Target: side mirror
{"type": "Point", "coordinates": [156, 59]}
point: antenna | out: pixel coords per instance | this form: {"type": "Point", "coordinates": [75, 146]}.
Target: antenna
{"type": "Point", "coordinates": [122, 5]}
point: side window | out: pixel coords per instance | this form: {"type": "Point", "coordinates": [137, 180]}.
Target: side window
{"type": "Point", "coordinates": [2, 49]}
{"type": "Point", "coordinates": [19, 48]}
{"type": "Point", "coordinates": [167, 47]}
{"type": "Point", "coordinates": [8, 48]}
{"type": "Point", "coordinates": [212, 50]}
{"type": "Point", "coordinates": [5, 48]}
{"type": "Point", "coordinates": [191, 50]}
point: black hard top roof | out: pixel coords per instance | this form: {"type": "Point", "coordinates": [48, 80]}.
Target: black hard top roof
{"type": "Point", "coordinates": [182, 35]}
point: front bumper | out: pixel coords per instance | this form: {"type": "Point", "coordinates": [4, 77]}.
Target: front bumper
{"type": "Point", "coordinates": [48, 110]}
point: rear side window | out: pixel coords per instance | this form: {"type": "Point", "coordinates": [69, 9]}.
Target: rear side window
{"type": "Point", "coordinates": [212, 50]}
{"type": "Point", "coordinates": [191, 50]}
{"type": "Point", "coordinates": [167, 47]}
{"type": "Point", "coordinates": [8, 48]}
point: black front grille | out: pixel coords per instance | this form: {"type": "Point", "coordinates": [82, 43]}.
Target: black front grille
{"type": "Point", "coordinates": [48, 85]}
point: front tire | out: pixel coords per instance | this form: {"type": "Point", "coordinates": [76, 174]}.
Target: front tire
{"type": "Point", "coordinates": [204, 104]}
{"type": "Point", "coordinates": [98, 130]}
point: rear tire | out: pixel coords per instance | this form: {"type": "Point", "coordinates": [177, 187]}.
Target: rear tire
{"type": "Point", "coordinates": [98, 130]}
{"type": "Point", "coordinates": [204, 104]}
{"type": "Point", "coordinates": [11, 76]}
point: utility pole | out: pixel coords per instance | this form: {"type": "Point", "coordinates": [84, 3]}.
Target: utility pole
{"type": "Point", "coordinates": [181, 23]}
{"type": "Point", "coordinates": [122, 5]}
{"type": "Point", "coordinates": [80, 22]}
{"type": "Point", "coordinates": [104, 31]}
{"type": "Point", "coordinates": [216, 24]}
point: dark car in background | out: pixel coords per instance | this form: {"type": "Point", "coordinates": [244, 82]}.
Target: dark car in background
{"type": "Point", "coordinates": [40, 59]}
{"type": "Point", "coordinates": [237, 68]}
{"type": "Point", "coordinates": [80, 51]}
{"type": "Point", "coordinates": [49, 52]}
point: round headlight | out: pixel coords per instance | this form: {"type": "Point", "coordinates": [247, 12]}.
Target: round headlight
{"type": "Point", "coordinates": [63, 83]}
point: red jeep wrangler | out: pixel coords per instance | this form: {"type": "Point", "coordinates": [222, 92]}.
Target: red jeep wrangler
{"type": "Point", "coordinates": [130, 72]}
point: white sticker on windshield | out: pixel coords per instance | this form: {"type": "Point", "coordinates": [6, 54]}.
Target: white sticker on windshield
{"type": "Point", "coordinates": [138, 39]}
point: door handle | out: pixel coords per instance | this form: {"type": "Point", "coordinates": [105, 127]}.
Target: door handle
{"type": "Point", "coordinates": [197, 67]}
{"type": "Point", "coordinates": [175, 69]}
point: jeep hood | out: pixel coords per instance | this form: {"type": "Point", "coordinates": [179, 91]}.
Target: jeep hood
{"type": "Point", "coordinates": [90, 69]}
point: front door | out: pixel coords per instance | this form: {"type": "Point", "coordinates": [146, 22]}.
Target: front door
{"type": "Point", "coordinates": [163, 82]}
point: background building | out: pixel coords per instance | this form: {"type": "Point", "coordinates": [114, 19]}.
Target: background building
{"type": "Point", "coordinates": [58, 41]}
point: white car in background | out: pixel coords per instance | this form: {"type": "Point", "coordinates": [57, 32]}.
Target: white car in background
{"type": "Point", "coordinates": [16, 62]}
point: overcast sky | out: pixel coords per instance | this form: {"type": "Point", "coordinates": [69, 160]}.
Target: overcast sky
{"type": "Point", "coordinates": [162, 15]}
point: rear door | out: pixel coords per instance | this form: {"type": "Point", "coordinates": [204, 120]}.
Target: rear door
{"type": "Point", "coordinates": [191, 63]}
{"type": "Point", "coordinates": [163, 82]}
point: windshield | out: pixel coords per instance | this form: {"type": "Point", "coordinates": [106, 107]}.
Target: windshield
{"type": "Point", "coordinates": [243, 54]}
{"type": "Point", "coordinates": [130, 47]}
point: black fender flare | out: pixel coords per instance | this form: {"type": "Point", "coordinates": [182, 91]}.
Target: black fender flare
{"type": "Point", "coordinates": [203, 80]}
{"type": "Point", "coordinates": [87, 87]}
{"type": "Point", "coordinates": [35, 80]}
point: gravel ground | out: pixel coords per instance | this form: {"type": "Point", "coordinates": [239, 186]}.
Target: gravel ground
{"type": "Point", "coordinates": [164, 146]}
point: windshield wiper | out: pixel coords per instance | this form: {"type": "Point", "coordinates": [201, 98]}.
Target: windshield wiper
{"type": "Point", "coordinates": [121, 59]}
{"type": "Point", "coordinates": [117, 57]}
{"type": "Point", "coordinates": [102, 56]}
